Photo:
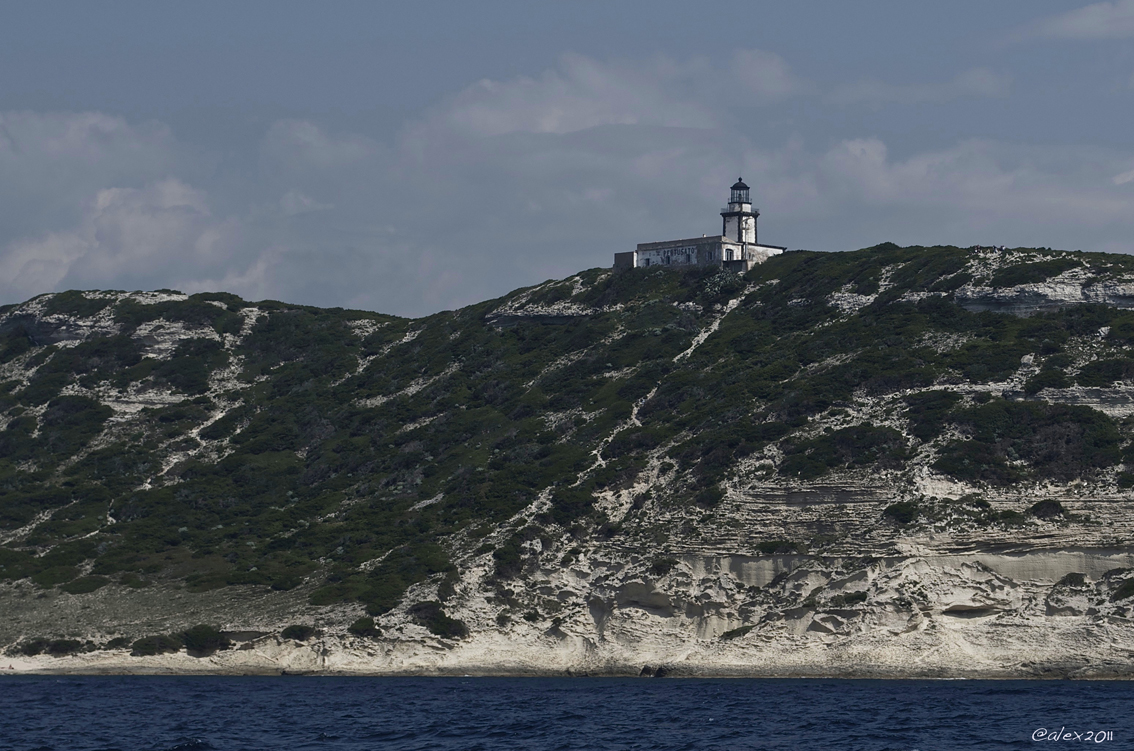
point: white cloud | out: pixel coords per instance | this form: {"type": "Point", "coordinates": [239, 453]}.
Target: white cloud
{"type": "Point", "coordinates": [295, 202]}
{"type": "Point", "coordinates": [302, 144]}
{"type": "Point", "coordinates": [1114, 20]}
{"type": "Point", "coordinates": [52, 163]}
{"type": "Point", "coordinates": [127, 237]}
{"type": "Point", "coordinates": [974, 83]}
{"type": "Point", "coordinates": [32, 266]}
{"type": "Point", "coordinates": [508, 183]}
{"type": "Point", "coordinates": [583, 93]}
{"type": "Point", "coordinates": [767, 75]}
{"type": "Point", "coordinates": [975, 191]}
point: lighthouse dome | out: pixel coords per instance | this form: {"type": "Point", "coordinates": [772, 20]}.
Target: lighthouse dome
{"type": "Point", "coordinates": [739, 193]}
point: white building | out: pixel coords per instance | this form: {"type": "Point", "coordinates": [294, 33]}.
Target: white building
{"type": "Point", "coordinates": [735, 249]}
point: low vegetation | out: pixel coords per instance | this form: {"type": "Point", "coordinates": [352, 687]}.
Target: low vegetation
{"type": "Point", "coordinates": [365, 628]}
{"type": "Point", "coordinates": [431, 615]}
{"type": "Point", "coordinates": [346, 452]}
{"type": "Point", "coordinates": [298, 632]}
{"type": "Point", "coordinates": [155, 645]}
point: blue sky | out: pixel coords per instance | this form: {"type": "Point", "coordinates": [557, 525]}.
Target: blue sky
{"type": "Point", "coordinates": [411, 157]}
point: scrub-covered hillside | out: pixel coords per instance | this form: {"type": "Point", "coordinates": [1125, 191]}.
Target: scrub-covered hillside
{"type": "Point", "coordinates": [614, 460]}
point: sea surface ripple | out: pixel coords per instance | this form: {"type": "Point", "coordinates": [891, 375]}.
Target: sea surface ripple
{"type": "Point", "coordinates": [108, 713]}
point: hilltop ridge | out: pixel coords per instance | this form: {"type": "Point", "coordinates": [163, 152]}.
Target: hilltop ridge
{"type": "Point", "coordinates": [894, 461]}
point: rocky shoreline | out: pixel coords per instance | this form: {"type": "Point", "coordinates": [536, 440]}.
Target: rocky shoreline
{"type": "Point", "coordinates": [1037, 615]}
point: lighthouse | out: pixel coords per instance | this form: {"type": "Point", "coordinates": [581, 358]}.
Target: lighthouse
{"type": "Point", "coordinates": [734, 249]}
{"type": "Point", "coordinates": [738, 219]}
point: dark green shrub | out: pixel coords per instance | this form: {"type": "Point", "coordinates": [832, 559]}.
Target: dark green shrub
{"type": "Point", "coordinates": [55, 575]}
{"type": "Point", "coordinates": [300, 632]}
{"type": "Point", "coordinates": [188, 369]}
{"type": "Point", "coordinates": [133, 581]}
{"type": "Point", "coordinates": [629, 441]}
{"type": "Point", "coordinates": [61, 647]}
{"type": "Point", "coordinates": [777, 547]}
{"type": "Point", "coordinates": [950, 283]}
{"type": "Point", "coordinates": [856, 446]}
{"type": "Point", "coordinates": [232, 302]}
{"type": "Point", "coordinates": [403, 567]}
{"type": "Point", "coordinates": [1124, 591]}
{"type": "Point", "coordinates": [204, 639]}
{"type": "Point", "coordinates": [849, 598]}
{"type": "Point", "coordinates": [69, 423]}
{"type": "Point", "coordinates": [32, 647]}
{"type": "Point", "coordinates": [1031, 273]}
{"type": "Point", "coordinates": [156, 645]}
{"type": "Point", "coordinates": [1051, 378]}
{"type": "Point", "coordinates": [982, 361]}
{"type": "Point", "coordinates": [448, 586]}
{"type": "Point", "coordinates": [509, 558]}
{"type": "Point", "coordinates": [1047, 509]}
{"type": "Point", "coordinates": [430, 615]}
{"type": "Point", "coordinates": [1011, 518]}
{"type": "Point", "coordinates": [709, 498]}
{"type": "Point", "coordinates": [365, 628]}
{"type": "Point", "coordinates": [1057, 441]}
{"type": "Point", "coordinates": [973, 461]}
{"type": "Point", "coordinates": [902, 512]}
{"type": "Point", "coordinates": [569, 504]}
{"type": "Point", "coordinates": [14, 343]}
{"type": "Point", "coordinates": [131, 313]}
{"type": "Point", "coordinates": [662, 566]}
{"type": "Point", "coordinates": [75, 303]}
{"type": "Point", "coordinates": [85, 584]}
{"type": "Point", "coordinates": [975, 501]}
{"type": "Point", "coordinates": [927, 412]}
{"type": "Point", "coordinates": [1103, 373]}
{"type": "Point", "coordinates": [802, 466]}
{"type": "Point", "coordinates": [736, 633]}
{"type": "Point", "coordinates": [1073, 579]}
{"type": "Point", "coordinates": [118, 642]}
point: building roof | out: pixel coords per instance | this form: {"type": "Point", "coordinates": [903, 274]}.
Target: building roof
{"type": "Point", "coordinates": [739, 185]}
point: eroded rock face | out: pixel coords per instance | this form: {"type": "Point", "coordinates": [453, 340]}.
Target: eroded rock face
{"type": "Point", "coordinates": [1029, 299]}
{"type": "Point", "coordinates": [937, 615]}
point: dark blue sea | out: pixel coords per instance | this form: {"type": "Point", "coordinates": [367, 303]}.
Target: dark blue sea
{"type": "Point", "coordinates": [201, 714]}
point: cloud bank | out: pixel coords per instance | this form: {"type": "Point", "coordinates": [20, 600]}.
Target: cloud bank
{"type": "Point", "coordinates": [509, 182]}
{"type": "Point", "coordinates": [977, 82]}
{"type": "Point", "coordinates": [1113, 20]}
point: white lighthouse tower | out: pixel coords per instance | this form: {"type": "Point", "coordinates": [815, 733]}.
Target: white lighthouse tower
{"type": "Point", "coordinates": [739, 219]}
